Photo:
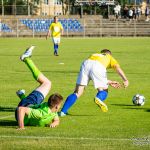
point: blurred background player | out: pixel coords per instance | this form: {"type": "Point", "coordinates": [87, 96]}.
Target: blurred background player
{"type": "Point", "coordinates": [55, 30]}
{"type": "Point", "coordinates": [31, 110]}
{"type": "Point", "coordinates": [94, 68]}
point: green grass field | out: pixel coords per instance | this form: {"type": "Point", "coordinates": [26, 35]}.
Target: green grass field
{"type": "Point", "coordinates": [124, 127]}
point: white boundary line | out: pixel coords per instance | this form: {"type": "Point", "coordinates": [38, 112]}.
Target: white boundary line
{"type": "Point", "coordinates": [65, 138]}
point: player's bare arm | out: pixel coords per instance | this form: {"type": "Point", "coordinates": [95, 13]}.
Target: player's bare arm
{"type": "Point", "coordinates": [122, 75]}
{"type": "Point", "coordinates": [48, 34]}
{"type": "Point", "coordinates": [22, 111]}
{"type": "Point", "coordinates": [55, 122]}
{"type": "Point", "coordinates": [114, 84]}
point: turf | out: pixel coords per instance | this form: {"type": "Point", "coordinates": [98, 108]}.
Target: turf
{"type": "Point", "coordinates": [125, 126]}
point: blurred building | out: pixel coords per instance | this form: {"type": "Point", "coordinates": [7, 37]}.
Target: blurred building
{"type": "Point", "coordinates": [30, 7]}
{"type": "Point", "coordinates": [56, 7]}
{"type": "Point", "coordinates": [49, 7]}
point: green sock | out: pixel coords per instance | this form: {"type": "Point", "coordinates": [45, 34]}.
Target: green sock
{"type": "Point", "coordinates": [22, 96]}
{"type": "Point", "coordinates": [35, 71]}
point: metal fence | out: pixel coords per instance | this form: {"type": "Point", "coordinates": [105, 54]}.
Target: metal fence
{"type": "Point", "coordinates": [86, 27]}
{"type": "Point", "coordinates": [16, 10]}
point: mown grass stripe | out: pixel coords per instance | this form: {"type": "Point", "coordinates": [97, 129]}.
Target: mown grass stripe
{"type": "Point", "coordinates": [65, 138]}
{"type": "Point", "coordinates": [4, 117]}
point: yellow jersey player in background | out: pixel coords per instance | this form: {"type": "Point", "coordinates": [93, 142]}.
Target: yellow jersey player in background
{"type": "Point", "coordinates": [55, 30]}
{"type": "Point", "coordinates": [95, 68]}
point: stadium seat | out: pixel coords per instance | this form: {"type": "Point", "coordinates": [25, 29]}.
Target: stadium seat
{"type": "Point", "coordinates": [42, 25]}
{"type": "Point", "coordinates": [5, 28]}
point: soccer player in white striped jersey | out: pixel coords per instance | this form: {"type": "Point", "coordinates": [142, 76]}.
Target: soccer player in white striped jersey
{"type": "Point", "coordinates": [94, 68]}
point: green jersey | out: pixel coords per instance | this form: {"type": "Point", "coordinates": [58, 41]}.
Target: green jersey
{"type": "Point", "coordinates": [39, 115]}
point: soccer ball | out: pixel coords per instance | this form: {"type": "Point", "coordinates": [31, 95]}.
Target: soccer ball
{"type": "Point", "coordinates": [138, 100]}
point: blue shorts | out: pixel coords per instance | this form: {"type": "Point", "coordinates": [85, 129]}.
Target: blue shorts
{"type": "Point", "coordinates": [33, 98]}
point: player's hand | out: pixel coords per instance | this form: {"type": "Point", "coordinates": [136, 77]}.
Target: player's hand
{"type": "Point", "coordinates": [53, 125]}
{"type": "Point", "coordinates": [126, 84]}
{"type": "Point", "coordinates": [20, 128]}
{"type": "Point", "coordinates": [115, 84]}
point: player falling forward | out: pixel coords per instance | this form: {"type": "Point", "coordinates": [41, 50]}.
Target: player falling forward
{"type": "Point", "coordinates": [94, 68]}
{"type": "Point", "coordinates": [31, 110]}
{"type": "Point", "coordinates": [55, 30]}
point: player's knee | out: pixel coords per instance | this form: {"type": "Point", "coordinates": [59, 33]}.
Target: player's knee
{"type": "Point", "coordinates": [48, 84]}
{"type": "Point", "coordinates": [78, 93]}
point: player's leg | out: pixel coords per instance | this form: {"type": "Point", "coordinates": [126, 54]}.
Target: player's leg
{"type": "Point", "coordinates": [100, 97]}
{"type": "Point", "coordinates": [55, 49]}
{"type": "Point", "coordinates": [82, 81]}
{"type": "Point", "coordinates": [55, 46]}
{"type": "Point", "coordinates": [45, 84]}
{"type": "Point", "coordinates": [99, 79]}
{"type": "Point", "coordinates": [71, 99]}
{"type": "Point", "coordinates": [53, 39]}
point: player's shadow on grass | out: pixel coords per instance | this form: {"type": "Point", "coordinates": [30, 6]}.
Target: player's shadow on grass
{"type": "Point", "coordinates": [130, 106]}
{"type": "Point", "coordinates": [122, 104]}
{"type": "Point", "coordinates": [81, 115]}
{"type": "Point", "coordinates": [148, 110]}
{"type": "Point", "coordinates": [8, 109]}
{"type": "Point", "coordinates": [51, 71]}
{"type": "Point", "coordinates": [63, 72]}
{"type": "Point", "coordinates": [8, 123]}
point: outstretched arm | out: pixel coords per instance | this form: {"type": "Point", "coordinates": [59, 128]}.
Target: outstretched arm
{"type": "Point", "coordinates": [22, 111]}
{"type": "Point", "coordinates": [122, 75]}
{"type": "Point", "coordinates": [55, 122]}
{"type": "Point", "coordinates": [114, 84]}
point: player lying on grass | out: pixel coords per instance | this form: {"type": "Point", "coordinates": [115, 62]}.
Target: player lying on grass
{"type": "Point", "coordinates": [94, 68]}
{"type": "Point", "coordinates": [31, 110]}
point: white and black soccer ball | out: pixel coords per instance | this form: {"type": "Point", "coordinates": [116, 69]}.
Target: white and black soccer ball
{"type": "Point", "coordinates": [138, 100]}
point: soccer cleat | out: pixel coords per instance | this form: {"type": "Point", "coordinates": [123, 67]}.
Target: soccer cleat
{"type": "Point", "coordinates": [61, 114]}
{"type": "Point", "coordinates": [55, 54]}
{"type": "Point", "coordinates": [21, 94]}
{"type": "Point", "coordinates": [101, 104]}
{"type": "Point", "coordinates": [27, 53]}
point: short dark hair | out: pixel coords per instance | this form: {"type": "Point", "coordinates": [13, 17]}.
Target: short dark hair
{"type": "Point", "coordinates": [55, 17]}
{"type": "Point", "coordinates": [106, 51]}
{"type": "Point", "coordinates": [55, 99]}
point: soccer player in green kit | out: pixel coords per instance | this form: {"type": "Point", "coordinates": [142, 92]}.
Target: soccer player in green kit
{"type": "Point", "coordinates": [31, 111]}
